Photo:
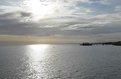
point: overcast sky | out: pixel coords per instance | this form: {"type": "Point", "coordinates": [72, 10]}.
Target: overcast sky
{"type": "Point", "coordinates": [67, 18]}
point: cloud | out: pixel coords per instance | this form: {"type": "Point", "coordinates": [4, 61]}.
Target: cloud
{"type": "Point", "coordinates": [90, 22]}
{"type": "Point", "coordinates": [12, 21]}
{"type": "Point", "coordinates": [118, 8]}
{"type": "Point", "coordinates": [24, 14]}
{"type": "Point", "coordinates": [71, 18]}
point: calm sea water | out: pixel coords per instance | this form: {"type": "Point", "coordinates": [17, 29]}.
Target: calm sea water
{"type": "Point", "coordinates": [60, 62]}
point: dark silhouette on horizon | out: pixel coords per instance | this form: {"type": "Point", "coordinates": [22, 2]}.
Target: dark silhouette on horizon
{"type": "Point", "coordinates": [117, 43]}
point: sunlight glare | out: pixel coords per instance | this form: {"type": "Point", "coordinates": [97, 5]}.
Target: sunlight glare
{"type": "Point", "coordinates": [38, 52]}
{"type": "Point", "coordinates": [41, 9]}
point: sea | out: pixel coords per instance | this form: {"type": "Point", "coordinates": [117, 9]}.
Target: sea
{"type": "Point", "coordinates": [60, 61]}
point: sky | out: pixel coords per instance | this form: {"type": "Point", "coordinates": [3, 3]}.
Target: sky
{"type": "Point", "coordinates": [98, 20]}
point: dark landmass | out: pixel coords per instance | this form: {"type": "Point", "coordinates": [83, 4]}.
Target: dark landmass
{"type": "Point", "coordinates": [117, 43]}
{"type": "Point", "coordinates": [86, 44]}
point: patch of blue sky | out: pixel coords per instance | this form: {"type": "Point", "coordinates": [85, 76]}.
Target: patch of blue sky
{"type": "Point", "coordinates": [98, 8]}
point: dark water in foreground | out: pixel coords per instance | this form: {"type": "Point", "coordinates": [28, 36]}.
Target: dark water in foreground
{"type": "Point", "coordinates": [59, 62]}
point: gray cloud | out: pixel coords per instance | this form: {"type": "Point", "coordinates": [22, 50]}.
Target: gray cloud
{"type": "Point", "coordinates": [11, 23]}
{"type": "Point", "coordinates": [25, 14]}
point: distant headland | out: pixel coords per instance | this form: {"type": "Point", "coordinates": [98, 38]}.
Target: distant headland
{"type": "Point", "coordinates": [117, 43]}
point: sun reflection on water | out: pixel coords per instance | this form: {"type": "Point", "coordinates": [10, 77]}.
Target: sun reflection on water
{"type": "Point", "coordinates": [37, 54]}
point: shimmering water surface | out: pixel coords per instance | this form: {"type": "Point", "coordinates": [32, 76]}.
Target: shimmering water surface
{"type": "Point", "coordinates": [68, 61]}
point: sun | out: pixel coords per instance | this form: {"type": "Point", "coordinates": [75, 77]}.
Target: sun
{"type": "Point", "coordinates": [41, 9]}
